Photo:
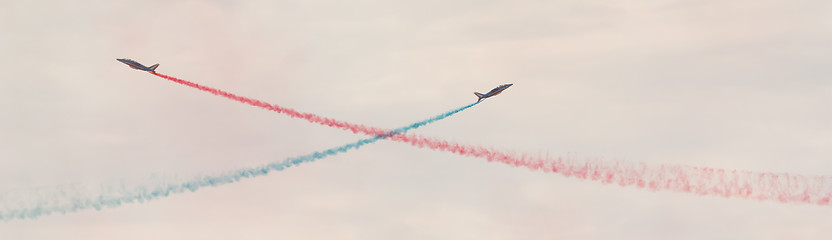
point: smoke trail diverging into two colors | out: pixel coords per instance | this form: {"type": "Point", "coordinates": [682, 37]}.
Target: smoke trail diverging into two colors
{"type": "Point", "coordinates": [782, 187]}
{"type": "Point", "coordinates": [141, 194]}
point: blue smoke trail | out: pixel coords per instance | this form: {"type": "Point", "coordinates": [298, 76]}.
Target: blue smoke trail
{"type": "Point", "coordinates": [142, 194]}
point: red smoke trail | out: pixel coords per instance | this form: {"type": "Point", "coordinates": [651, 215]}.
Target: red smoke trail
{"type": "Point", "coordinates": [355, 128]}
{"type": "Point", "coordinates": [782, 187]}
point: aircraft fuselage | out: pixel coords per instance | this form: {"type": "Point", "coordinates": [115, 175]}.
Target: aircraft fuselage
{"type": "Point", "coordinates": [493, 92]}
{"type": "Point", "coordinates": [137, 65]}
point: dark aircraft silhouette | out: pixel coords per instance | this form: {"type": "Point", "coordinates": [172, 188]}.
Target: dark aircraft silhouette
{"type": "Point", "coordinates": [139, 66]}
{"type": "Point", "coordinates": [493, 92]}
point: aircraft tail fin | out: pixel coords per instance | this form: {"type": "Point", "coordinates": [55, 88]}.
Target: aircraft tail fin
{"type": "Point", "coordinates": [479, 95]}
{"type": "Point", "coordinates": [153, 68]}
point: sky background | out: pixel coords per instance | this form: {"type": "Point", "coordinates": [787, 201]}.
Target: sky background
{"type": "Point", "coordinates": [725, 84]}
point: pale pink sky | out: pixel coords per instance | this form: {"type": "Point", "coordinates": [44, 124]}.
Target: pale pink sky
{"type": "Point", "coordinates": [725, 84]}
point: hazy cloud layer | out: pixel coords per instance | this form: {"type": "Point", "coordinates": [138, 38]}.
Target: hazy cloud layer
{"type": "Point", "coordinates": [728, 84]}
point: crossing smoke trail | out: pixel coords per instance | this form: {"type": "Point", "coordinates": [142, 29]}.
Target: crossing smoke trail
{"type": "Point", "coordinates": [119, 196]}
{"type": "Point", "coordinates": [765, 186]}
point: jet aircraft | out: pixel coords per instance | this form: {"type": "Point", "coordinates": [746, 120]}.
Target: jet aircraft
{"type": "Point", "coordinates": [139, 66]}
{"type": "Point", "coordinates": [495, 91]}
